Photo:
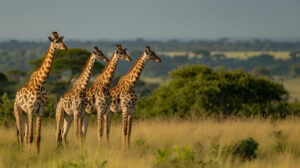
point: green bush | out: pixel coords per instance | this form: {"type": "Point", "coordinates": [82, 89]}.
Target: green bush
{"type": "Point", "coordinates": [6, 109]}
{"type": "Point", "coordinates": [3, 78]}
{"type": "Point", "coordinates": [246, 149]}
{"type": "Point", "coordinates": [201, 91]}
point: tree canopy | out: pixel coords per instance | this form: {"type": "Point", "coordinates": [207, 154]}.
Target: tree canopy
{"type": "Point", "coordinates": [68, 64]}
{"type": "Point", "coordinates": [202, 91]}
{"type": "Point", "coordinates": [2, 78]}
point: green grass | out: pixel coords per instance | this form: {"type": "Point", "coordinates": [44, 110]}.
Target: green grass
{"type": "Point", "coordinates": [191, 143]}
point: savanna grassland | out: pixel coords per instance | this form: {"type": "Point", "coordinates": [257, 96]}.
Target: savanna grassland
{"type": "Point", "coordinates": [157, 143]}
{"type": "Point", "coordinates": [208, 104]}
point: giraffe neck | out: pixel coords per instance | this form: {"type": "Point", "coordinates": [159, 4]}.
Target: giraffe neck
{"type": "Point", "coordinates": [84, 78]}
{"type": "Point", "coordinates": [134, 74]}
{"type": "Point", "coordinates": [39, 77]}
{"type": "Point", "coordinates": [107, 74]}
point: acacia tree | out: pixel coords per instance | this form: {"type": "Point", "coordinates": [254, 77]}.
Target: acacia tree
{"type": "Point", "coordinates": [68, 64]}
{"type": "Point", "coordinates": [3, 78]}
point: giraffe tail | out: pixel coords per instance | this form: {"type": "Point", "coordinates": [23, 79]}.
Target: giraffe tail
{"type": "Point", "coordinates": [59, 136]}
{"type": "Point", "coordinates": [18, 135]}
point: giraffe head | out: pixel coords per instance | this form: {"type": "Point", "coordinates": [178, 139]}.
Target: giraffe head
{"type": "Point", "coordinates": [121, 53]}
{"type": "Point", "coordinates": [58, 41]}
{"type": "Point", "coordinates": [98, 55]}
{"type": "Point", "coordinates": [150, 55]}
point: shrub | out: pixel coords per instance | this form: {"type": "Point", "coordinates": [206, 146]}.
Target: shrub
{"type": "Point", "coordinates": [246, 149]}
{"type": "Point", "coordinates": [6, 108]}
{"type": "Point", "coordinates": [197, 90]}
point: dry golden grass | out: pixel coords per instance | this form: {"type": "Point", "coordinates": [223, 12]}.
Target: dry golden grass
{"type": "Point", "coordinates": [148, 136]}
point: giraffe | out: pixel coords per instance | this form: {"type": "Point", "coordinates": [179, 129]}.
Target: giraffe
{"type": "Point", "coordinates": [72, 103]}
{"type": "Point", "coordinates": [31, 98]}
{"type": "Point", "coordinates": [98, 94]}
{"type": "Point", "coordinates": [124, 97]}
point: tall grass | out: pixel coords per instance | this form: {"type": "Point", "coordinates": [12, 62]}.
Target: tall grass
{"type": "Point", "coordinates": [279, 145]}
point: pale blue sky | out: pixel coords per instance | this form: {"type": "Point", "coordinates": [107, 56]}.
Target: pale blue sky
{"type": "Point", "coordinates": [152, 19]}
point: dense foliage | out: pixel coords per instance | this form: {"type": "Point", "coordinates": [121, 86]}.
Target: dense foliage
{"type": "Point", "coordinates": [6, 109]}
{"type": "Point", "coordinates": [201, 91]}
{"type": "Point", "coordinates": [245, 149]}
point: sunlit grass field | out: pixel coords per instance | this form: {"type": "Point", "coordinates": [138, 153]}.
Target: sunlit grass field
{"type": "Point", "coordinates": [234, 54]}
{"type": "Point", "coordinates": [248, 54]}
{"type": "Point", "coordinates": [293, 87]}
{"type": "Point", "coordinates": [203, 139]}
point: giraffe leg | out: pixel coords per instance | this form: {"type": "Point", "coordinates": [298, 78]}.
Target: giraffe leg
{"type": "Point", "coordinates": [129, 123]}
{"type": "Point", "coordinates": [100, 119]}
{"type": "Point", "coordinates": [38, 133]}
{"type": "Point", "coordinates": [67, 123]}
{"type": "Point", "coordinates": [76, 121]}
{"type": "Point", "coordinates": [85, 123]}
{"type": "Point", "coordinates": [26, 128]}
{"type": "Point", "coordinates": [108, 119]}
{"type": "Point", "coordinates": [80, 121]}
{"type": "Point", "coordinates": [20, 122]}
{"type": "Point", "coordinates": [59, 117]}
{"type": "Point", "coordinates": [30, 127]}
{"type": "Point", "coordinates": [124, 125]}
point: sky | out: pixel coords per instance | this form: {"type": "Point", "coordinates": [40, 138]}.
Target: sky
{"type": "Point", "coordinates": [151, 19]}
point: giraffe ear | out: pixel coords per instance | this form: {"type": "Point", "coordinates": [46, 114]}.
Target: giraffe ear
{"type": "Point", "coordinates": [148, 48]}
{"type": "Point", "coordinates": [55, 35]}
{"type": "Point", "coordinates": [119, 47]}
{"type": "Point", "coordinates": [50, 39]}
{"type": "Point", "coordinates": [96, 49]}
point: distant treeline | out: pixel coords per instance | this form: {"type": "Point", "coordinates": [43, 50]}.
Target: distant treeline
{"type": "Point", "coordinates": [15, 55]}
{"type": "Point", "coordinates": [171, 45]}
